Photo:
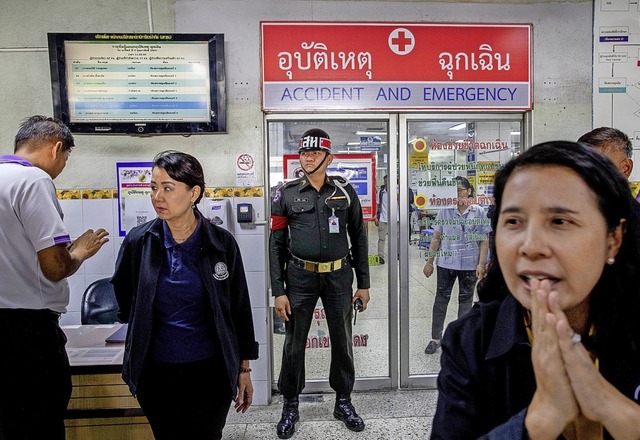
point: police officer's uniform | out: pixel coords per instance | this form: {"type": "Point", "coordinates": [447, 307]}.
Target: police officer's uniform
{"type": "Point", "coordinates": [318, 239]}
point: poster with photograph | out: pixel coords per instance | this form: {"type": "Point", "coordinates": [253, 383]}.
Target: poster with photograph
{"type": "Point", "coordinates": [134, 195]}
{"type": "Point", "coordinates": [358, 169]}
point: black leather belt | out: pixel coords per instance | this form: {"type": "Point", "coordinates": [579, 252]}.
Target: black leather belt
{"type": "Point", "coordinates": [313, 266]}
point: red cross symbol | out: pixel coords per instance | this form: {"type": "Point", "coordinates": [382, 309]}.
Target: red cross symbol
{"type": "Point", "coordinates": [401, 41]}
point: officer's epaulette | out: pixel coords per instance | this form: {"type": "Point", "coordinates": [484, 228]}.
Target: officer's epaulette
{"type": "Point", "coordinates": [339, 180]}
{"type": "Point", "coordinates": [290, 183]}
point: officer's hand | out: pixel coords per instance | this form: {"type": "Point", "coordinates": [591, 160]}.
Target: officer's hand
{"type": "Point", "coordinates": [282, 306]}
{"type": "Point", "coordinates": [376, 222]}
{"type": "Point", "coordinates": [363, 294]}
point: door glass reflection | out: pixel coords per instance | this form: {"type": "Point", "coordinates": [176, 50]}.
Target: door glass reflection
{"type": "Point", "coordinates": [438, 152]}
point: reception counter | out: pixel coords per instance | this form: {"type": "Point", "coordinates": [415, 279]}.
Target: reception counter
{"type": "Point", "coordinates": [101, 406]}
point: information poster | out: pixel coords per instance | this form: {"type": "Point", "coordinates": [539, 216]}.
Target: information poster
{"type": "Point", "coordinates": [134, 195]}
{"type": "Point", "coordinates": [616, 69]}
{"type": "Point", "coordinates": [357, 169]}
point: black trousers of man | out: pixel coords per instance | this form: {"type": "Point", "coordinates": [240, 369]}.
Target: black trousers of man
{"type": "Point", "coordinates": [35, 377]}
{"type": "Point", "coordinates": [335, 290]}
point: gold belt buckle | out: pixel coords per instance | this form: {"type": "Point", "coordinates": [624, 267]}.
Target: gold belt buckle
{"type": "Point", "coordinates": [337, 264]}
{"type": "Point", "coordinates": [324, 267]}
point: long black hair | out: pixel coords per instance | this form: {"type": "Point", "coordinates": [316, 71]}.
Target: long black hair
{"type": "Point", "coordinates": [615, 299]}
{"type": "Point", "coordinates": [182, 167]}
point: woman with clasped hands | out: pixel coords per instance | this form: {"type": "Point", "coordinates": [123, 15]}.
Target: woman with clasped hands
{"type": "Point", "coordinates": [181, 286]}
{"type": "Point", "coordinates": [552, 350]}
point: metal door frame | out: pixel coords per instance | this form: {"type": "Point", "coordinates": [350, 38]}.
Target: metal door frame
{"type": "Point", "coordinates": [428, 380]}
{"type": "Point", "coordinates": [362, 383]}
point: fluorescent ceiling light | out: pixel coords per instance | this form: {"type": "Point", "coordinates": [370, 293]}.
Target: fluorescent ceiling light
{"type": "Point", "coordinates": [515, 133]}
{"type": "Point", "coordinates": [360, 143]}
{"type": "Point", "coordinates": [459, 126]}
{"type": "Point", "coordinates": [371, 133]}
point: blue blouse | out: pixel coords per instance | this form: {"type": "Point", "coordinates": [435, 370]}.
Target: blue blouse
{"type": "Point", "coordinates": [183, 329]}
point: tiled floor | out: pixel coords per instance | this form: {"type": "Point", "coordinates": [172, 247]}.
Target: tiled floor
{"type": "Point", "coordinates": [394, 414]}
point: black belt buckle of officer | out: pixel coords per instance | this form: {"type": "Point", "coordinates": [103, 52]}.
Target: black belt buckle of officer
{"type": "Point", "coordinates": [325, 267]}
{"type": "Point", "coordinates": [329, 266]}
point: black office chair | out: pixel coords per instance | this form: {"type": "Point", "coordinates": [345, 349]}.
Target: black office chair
{"type": "Point", "coordinates": [99, 305]}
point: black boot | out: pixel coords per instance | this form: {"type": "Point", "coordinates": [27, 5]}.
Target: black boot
{"type": "Point", "coordinates": [290, 415]}
{"type": "Point", "coordinates": [345, 411]}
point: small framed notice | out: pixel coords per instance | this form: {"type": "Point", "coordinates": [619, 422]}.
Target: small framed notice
{"type": "Point", "coordinates": [134, 195]}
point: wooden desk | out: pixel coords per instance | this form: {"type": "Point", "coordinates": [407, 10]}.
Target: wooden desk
{"type": "Point", "coordinates": [101, 406]}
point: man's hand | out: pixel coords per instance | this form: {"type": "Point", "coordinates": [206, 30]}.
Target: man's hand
{"type": "Point", "coordinates": [89, 243]}
{"type": "Point", "coordinates": [427, 270]}
{"type": "Point", "coordinates": [282, 306]}
{"type": "Point", "coordinates": [58, 262]}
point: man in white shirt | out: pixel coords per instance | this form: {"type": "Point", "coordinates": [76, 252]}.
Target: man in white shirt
{"type": "Point", "coordinates": [37, 256]}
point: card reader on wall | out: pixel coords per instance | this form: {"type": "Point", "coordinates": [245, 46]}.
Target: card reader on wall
{"type": "Point", "coordinates": [245, 213]}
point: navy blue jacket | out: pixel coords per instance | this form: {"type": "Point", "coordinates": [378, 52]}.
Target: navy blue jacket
{"type": "Point", "coordinates": [220, 263]}
{"type": "Point", "coordinates": [486, 380]}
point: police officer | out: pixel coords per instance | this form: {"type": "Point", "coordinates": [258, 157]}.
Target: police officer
{"type": "Point", "coordinates": [313, 220]}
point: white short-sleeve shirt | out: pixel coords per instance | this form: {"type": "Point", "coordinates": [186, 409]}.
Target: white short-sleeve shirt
{"type": "Point", "coordinates": [461, 236]}
{"type": "Point", "coordinates": [30, 221]}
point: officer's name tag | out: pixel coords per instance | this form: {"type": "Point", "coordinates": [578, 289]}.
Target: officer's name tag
{"type": "Point", "coordinates": [334, 226]}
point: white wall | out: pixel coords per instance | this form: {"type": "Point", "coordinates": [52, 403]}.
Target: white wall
{"type": "Point", "coordinates": [562, 38]}
{"type": "Point", "coordinates": [562, 67]}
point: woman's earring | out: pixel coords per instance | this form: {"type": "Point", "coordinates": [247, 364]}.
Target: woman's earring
{"type": "Point", "coordinates": [610, 261]}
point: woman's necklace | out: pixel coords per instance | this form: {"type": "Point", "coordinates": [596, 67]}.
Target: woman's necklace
{"type": "Point", "coordinates": [190, 229]}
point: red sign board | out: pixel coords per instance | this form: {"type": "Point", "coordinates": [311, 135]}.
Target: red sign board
{"type": "Point", "coordinates": [311, 65]}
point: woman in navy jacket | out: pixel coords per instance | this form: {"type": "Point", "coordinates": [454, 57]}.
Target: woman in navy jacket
{"type": "Point", "coordinates": [552, 350]}
{"type": "Point", "coordinates": [180, 284]}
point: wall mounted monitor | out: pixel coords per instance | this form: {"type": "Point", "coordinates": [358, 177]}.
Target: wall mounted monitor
{"type": "Point", "coordinates": [138, 84]}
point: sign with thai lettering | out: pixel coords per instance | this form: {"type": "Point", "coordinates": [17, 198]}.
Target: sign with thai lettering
{"type": "Point", "coordinates": [401, 66]}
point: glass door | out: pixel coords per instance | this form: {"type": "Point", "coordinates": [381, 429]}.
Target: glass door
{"type": "Point", "coordinates": [365, 150]}
{"type": "Point", "coordinates": [421, 155]}
{"type": "Point", "coordinates": [440, 155]}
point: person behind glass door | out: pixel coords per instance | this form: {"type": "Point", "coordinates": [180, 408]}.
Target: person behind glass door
{"type": "Point", "coordinates": [460, 235]}
{"type": "Point", "coordinates": [37, 256]}
{"type": "Point", "coordinates": [318, 239]}
{"type": "Point", "coordinates": [181, 286]}
{"type": "Point", "coordinates": [382, 219]}
{"type": "Point", "coordinates": [552, 348]}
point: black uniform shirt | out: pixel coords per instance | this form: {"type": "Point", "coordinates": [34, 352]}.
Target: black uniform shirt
{"type": "Point", "coordinates": [300, 217]}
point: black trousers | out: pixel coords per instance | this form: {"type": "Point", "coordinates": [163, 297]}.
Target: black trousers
{"type": "Point", "coordinates": [334, 288]}
{"type": "Point", "coordinates": [35, 377]}
{"type": "Point", "coordinates": [446, 278]}
{"type": "Point", "coordinates": [185, 400]}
